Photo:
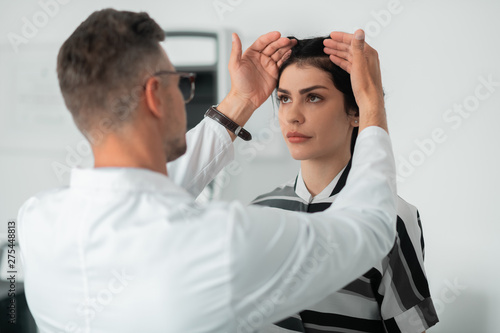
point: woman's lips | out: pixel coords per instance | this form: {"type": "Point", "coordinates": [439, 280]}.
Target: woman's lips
{"type": "Point", "coordinates": [296, 137]}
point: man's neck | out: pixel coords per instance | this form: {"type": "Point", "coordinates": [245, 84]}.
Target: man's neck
{"type": "Point", "coordinates": [319, 173]}
{"type": "Point", "coordinates": [135, 151]}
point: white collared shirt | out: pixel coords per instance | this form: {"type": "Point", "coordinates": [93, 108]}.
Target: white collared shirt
{"type": "Point", "coordinates": [129, 250]}
{"type": "Point", "coordinates": [304, 193]}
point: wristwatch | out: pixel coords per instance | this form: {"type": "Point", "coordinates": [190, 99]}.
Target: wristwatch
{"type": "Point", "coordinates": [215, 114]}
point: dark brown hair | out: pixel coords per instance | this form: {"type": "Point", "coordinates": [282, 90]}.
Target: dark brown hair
{"type": "Point", "coordinates": [103, 61]}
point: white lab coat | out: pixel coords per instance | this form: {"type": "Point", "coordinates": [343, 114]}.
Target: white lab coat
{"type": "Point", "coordinates": [128, 250]}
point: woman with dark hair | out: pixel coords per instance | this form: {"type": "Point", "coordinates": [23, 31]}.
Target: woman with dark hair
{"type": "Point", "coordinates": [319, 120]}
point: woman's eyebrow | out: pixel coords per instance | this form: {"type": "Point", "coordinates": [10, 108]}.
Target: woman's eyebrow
{"type": "Point", "coordinates": [302, 91]}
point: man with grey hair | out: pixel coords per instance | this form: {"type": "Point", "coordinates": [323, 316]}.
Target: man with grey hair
{"type": "Point", "coordinates": [125, 247]}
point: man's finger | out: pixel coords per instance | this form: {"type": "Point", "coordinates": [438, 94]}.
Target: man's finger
{"type": "Point", "coordinates": [283, 42]}
{"type": "Point", "coordinates": [341, 54]}
{"type": "Point", "coordinates": [336, 45]}
{"type": "Point", "coordinates": [263, 41]}
{"type": "Point", "coordinates": [358, 43]}
{"type": "Point", "coordinates": [235, 56]}
{"type": "Point", "coordinates": [342, 37]}
{"type": "Point", "coordinates": [276, 56]}
{"type": "Point", "coordinates": [358, 50]}
{"type": "Point", "coordinates": [342, 63]}
{"type": "Point", "coordinates": [284, 58]}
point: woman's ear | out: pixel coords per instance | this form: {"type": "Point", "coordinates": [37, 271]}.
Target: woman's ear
{"type": "Point", "coordinates": [354, 116]}
{"type": "Point", "coordinates": [355, 122]}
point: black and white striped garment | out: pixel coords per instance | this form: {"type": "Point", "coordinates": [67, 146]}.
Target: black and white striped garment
{"type": "Point", "coordinates": [391, 297]}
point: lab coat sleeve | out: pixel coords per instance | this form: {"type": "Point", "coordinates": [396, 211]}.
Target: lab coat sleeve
{"type": "Point", "coordinates": [209, 150]}
{"type": "Point", "coordinates": [282, 261]}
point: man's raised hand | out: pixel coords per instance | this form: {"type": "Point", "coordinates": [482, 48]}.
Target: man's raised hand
{"type": "Point", "coordinates": [351, 53]}
{"type": "Point", "coordinates": [255, 72]}
{"type": "Point", "coordinates": [360, 60]}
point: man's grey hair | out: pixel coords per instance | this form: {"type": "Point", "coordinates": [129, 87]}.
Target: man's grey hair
{"type": "Point", "coordinates": [101, 66]}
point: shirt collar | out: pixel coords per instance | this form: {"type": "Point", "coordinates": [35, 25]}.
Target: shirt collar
{"type": "Point", "coordinates": [302, 191]}
{"type": "Point", "coordinates": [122, 179]}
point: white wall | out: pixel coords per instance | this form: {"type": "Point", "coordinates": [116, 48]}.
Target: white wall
{"type": "Point", "coordinates": [433, 54]}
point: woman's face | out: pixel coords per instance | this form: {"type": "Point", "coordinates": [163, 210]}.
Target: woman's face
{"type": "Point", "coordinates": [312, 116]}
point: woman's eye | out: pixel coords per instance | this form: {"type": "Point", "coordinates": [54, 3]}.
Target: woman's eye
{"type": "Point", "coordinates": [314, 98]}
{"type": "Point", "coordinates": [283, 99]}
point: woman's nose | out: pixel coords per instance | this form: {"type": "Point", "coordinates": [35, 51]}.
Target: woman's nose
{"type": "Point", "coordinates": [294, 114]}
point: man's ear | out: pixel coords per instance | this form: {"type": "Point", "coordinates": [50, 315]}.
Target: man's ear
{"type": "Point", "coordinates": [152, 94]}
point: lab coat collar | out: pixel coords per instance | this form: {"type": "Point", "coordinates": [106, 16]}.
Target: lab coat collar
{"type": "Point", "coordinates": [122, 179]}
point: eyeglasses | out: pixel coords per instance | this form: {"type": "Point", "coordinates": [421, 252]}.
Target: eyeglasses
{"type": "Point", "coordinates": [186, 83]}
